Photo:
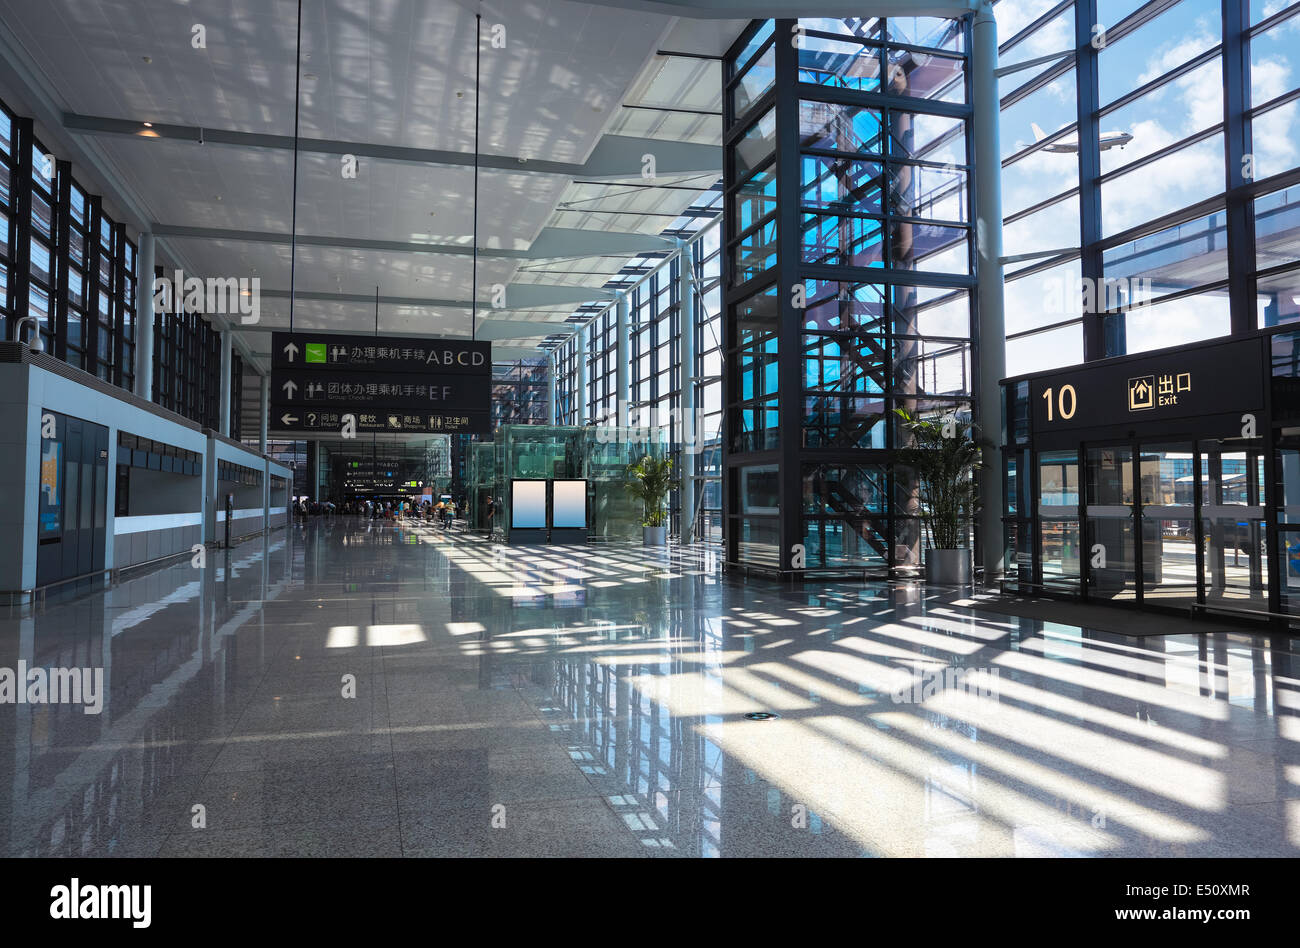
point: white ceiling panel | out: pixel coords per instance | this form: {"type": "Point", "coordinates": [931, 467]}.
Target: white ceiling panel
{"type": "Point", "coordinates": [379, 73]}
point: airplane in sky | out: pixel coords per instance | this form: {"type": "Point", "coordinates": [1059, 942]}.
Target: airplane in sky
{"type": "Point", "coordinates": [1070, 144]}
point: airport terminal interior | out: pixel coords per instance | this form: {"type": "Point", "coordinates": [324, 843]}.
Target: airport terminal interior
{"type": "Point", "coordinates": [639, 428]}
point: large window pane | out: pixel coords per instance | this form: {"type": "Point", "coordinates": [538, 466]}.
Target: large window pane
{"type": "Point", "coordinates": [840, 128]}
{"type": "Point", "coordinates": [1170, 261]}
{"type": "Point", "coordinates": [1277, 228]}
{"type": "Point", "coordinates": [931, 32]}
{"type": "Point", "coordinates": [1013, 17]}
{"type": "Point", "coordinates": [1159, 45]}
{"type": "Point", "coordinates": [841, 184]}
{"type": "Point", "coordinates": [924, 76]}
{"type": "Point", "coordinates": [1045, 350]}
{"type": "Point", "coordinates": [843, 64]}
{"type": "Point", "coordinates": [755, 199]}
{"type": "Point", "coordinates": [756, 144]}
{"type": "Point", "coordinates": [1055, 227]}
{"type": "Point", "coordinates": [1177, 109]}
{"type": "Point", "coordinates": [843, 307]}
{"type": "Point", "coordinates": [754, 83]}
{"type": "Point", "coordinates": [1175, 323]}
{"type": "Point", "coordinates": [933, 312]}
{"type": "Point", "coordinates": [929, 192]}
{"type": "Point", "coordinates": [757, 40]}
{"type": "Point", "coordinates": [1037, 177]}
{"type": "Point", "coordinates": [1188, 175]}
{"type": "Point", "coordinates": [932, 248]}
{"type": "Point", "coordinates": [1043, 298]}
{"type": "Point", "coordinates": [1277, 299]}
{"type": "Point", "coordinates": [1275, 61]}
{"type": "Point", "coordinates": [1275, 137]}
{"type": "Point", "coordinates": [1043, 112]}
{"type": "Point", "coordinates": [842, 241]}
{"type": "Point", "coordinates": [1052, 37]}
{"type": "Point", "coordinates": [935, 138]}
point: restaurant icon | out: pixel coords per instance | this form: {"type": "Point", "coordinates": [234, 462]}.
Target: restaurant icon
{"type": "Point", "coordinates": [1142, 392]}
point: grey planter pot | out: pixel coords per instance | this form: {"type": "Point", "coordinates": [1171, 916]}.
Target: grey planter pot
{"type": "Point", "coordinates": [654, 536]}
{"type": "Point", "coordinates": [948, 567]}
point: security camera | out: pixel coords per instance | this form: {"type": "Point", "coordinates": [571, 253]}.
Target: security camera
{"type": "Point", "coordinates": [36, 344]}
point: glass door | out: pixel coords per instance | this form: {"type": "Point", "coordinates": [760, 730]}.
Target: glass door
{"type": "Point", "coordinates": [1058, 519]}
{"type": "Point", "coordinates": [1234, 566]}
{"type": "Point", "coordinates": [1168, 485]}
{"type": "Point", "coordinates": [1109, 516]}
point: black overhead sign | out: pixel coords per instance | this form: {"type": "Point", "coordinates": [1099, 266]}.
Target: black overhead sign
{"type": "Point", "coordinates": [387, 383]}
{"type": "Point", "coordinates": [1178, 383]}
{"type": "Point", "coordinates": [325, 388]}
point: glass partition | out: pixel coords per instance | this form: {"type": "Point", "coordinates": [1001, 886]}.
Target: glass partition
{"type": "Point", "coordinates": [598, 456]}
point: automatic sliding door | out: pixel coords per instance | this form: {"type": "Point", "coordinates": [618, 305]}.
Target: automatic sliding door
{"type": "Point", "coordinates": [1168, 487]}
{"type": "Point", "coordinates": [1058, 519]}
{"type": "Point", "coordinates": [1109, 513]}
{"type": "Point", "coordinates": [1235, 567]}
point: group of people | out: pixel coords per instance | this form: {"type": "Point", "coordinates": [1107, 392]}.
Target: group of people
{"type": "Point", "coordinates": [441, 512]}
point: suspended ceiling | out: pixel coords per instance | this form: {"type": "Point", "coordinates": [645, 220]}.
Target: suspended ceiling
{"type": "Point", "coordinates": [562, 204]}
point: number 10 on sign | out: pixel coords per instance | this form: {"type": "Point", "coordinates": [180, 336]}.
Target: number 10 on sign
{"type": "Point", "coordinates": [1065, 406]}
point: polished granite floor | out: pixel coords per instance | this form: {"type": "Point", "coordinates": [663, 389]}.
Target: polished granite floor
{"type": "Point", "coordinates": [592, 702]}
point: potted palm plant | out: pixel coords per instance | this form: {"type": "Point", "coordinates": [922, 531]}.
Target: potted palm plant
{"type": "Point", "coordinates": [944, 455]}
{"type": "Point", "coordinates": [650, 481]}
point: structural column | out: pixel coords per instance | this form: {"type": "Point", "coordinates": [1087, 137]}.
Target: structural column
{"type": "Point", "coordinates": [224, 387]}
{"type": "Point", "coordinates": [581, 393]}
{"type": "Point", "coordinates": [553, 368]}
{"type": "Point", "coordinates": [313, 469]}
{"type": "Point", "coordinates": [990, 335]}
{"type": "Point", "coordinates": [622, 364]}
{"type": "Point", "coordinates": [144, 317]}
{"type": "Point", "coordinates": [690, 428]}
{"type": "Point", "coordinates": [264, 409]}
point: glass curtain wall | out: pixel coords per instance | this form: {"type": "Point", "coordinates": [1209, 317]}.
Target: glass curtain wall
{"type": "Point", "coordinates": [655, 372]}
{"type": "Point", "coordinates": [67, 262]}
{"type": "Point", "coordinates": [519, 392]}
{"type": "Point", "coordinates": [1172, 216]}
{"type": "Point", "coordinates": [1151, 183]}
{"type": "Point", "coordinates": [187, 363]}
{"type": "Point", "coordinates": [63, 259]}
{"type": "Point", "coordinates": [848, 262]}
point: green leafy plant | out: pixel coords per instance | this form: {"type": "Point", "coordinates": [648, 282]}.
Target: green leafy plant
{"type": "Point", "coordinates": [944, 455]}
{"type": "Point", "coordinates": [651, 480]}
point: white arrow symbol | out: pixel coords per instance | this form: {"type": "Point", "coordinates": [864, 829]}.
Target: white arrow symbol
{"type": "Point", "coordinates": [291, 350]}
{"type": "Point", "coordinates": [289, 388]}
{"type": "Point", "coordinates": [288, 419]}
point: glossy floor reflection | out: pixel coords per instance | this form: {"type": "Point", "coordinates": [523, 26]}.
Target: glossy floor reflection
{"type": "Point", "coordinates": [592, 702]}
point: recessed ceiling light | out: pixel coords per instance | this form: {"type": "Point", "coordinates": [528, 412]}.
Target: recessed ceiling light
{"type": "Point", "coordinates": [148, 124]}
{"type": "Point", "coordinates": [147, 59]}
{"type": "Point", "coordinates": [460, 95]}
